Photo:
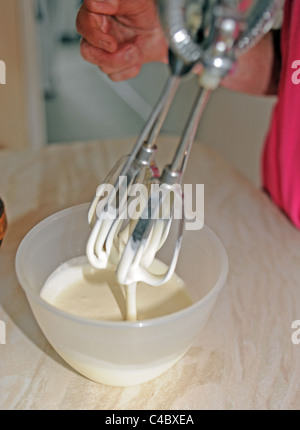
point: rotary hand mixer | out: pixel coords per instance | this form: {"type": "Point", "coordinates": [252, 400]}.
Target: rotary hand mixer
{"type": "Point", "coordinates": [212, 33]}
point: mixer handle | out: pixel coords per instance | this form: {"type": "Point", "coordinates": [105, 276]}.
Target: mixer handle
{"type": "Point", "coordinates": [214, 32]}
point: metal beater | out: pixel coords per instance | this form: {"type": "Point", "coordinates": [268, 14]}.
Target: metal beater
{"type": "Point", "coordinates": [212, 33]}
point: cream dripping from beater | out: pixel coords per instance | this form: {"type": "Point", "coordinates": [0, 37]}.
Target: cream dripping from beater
{"type": "Point", "coordinates": [109, 248]}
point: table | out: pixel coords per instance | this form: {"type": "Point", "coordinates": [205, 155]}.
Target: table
{"type": "Point", "coordinates": [244, 359]}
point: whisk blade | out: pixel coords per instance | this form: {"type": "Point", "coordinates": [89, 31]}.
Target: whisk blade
{"type": "Point", "coordinates": [147, 238]}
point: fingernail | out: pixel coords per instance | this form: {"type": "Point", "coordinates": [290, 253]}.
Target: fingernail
{"type": "Point", "coordinates": [131, 53]}
{"type": "Point", "coordinates": [105, 45]}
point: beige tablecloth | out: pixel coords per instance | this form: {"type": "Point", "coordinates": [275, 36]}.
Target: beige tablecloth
{"type": "Point", "coordinates": [243, 359]}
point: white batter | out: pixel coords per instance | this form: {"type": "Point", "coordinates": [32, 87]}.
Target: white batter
{"type": "Point", "coordinates": [76, 287]}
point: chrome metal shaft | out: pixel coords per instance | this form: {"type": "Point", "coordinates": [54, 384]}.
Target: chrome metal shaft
{"type": "Point", "coordinates": [183, 150]}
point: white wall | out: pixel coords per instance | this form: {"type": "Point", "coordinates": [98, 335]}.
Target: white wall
{"type": "Point", "coordinates": [236, 126]}
{"type": "Point", "coordinates": [21, 107]}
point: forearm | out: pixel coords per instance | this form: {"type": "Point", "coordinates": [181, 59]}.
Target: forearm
{"type": "Point", "coordinates": [257, 72]}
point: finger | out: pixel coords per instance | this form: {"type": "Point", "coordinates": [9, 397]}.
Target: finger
{"type": "Point", "coordinates": [86, 20]}
{"type": "Point", "coordinates": [94, 29]}
{"type": "Point", "coordinates": [107, 7]}
{"type": "Point", "coordinates": [126, 56]}
{"type": "Point", "coordinates": [129, 73]}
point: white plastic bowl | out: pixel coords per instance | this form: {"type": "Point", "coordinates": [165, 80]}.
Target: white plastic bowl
{"type": "Point", "coordinates": [111, 352]}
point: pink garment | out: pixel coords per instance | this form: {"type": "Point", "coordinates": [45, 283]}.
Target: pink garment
{"type": "Point", "coordinates": [281, 157]}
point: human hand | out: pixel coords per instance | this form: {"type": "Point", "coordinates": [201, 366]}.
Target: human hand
{"type": "Point", "coordinates": [119, 36]}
